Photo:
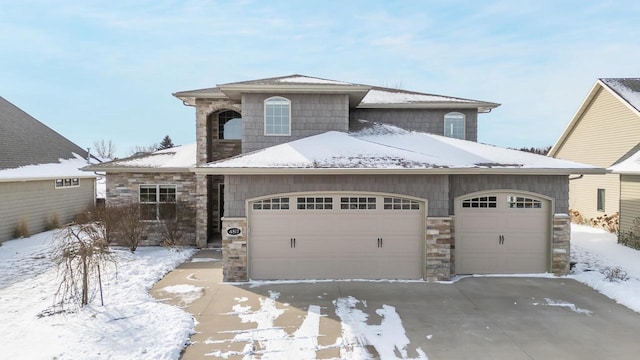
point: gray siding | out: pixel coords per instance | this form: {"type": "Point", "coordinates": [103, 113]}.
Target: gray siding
{"type": "Point", "coordinates": [311, 114]}
{"type": "Point", "coordinates": [431, 187]}
{"type": "Point", "coordinates": [424, 120]}
{"type": "Point", "coordinates": [556, 186]}
{"type": "Point", "coordinates": [38, 201]}
{"type": "Point", "coordinates": [629, 201]}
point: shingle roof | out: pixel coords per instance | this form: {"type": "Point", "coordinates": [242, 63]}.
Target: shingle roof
{"type": "Point", "coordinates": [26, 141]}
{"type": "Point", "coordinates": [387, 148]}
{"type": "Point", "coordinates": [627, 88]}
{"type": "Point", "coordinates": [369, 96]}
{"type": "Point", "coordinates": [179, 158]}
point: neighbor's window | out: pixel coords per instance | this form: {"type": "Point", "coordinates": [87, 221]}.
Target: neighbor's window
{"type": "Point", "coordinates": [277, 116]}
{"type": "Point", "coordinates": [158, 202]}
{"type": "Point", "coordinates": [454, 125]}
{"type": "Point", "coordinates": [67, 183]}
{"type": "Point", "coordinates": [600, 200]}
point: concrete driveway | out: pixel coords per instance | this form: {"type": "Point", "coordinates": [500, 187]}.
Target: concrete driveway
{"type": "Point", "coordinates": [473, 318]}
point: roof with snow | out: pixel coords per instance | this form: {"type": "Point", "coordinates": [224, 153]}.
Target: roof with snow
{"type": "Point", "coordinates": [627, 88]}
{"type": "Point", "coordinates": [175, 159]}
{"type": "Point", "coordinates": [26, 141]}
{"type": "Point", "coordinates": [361, 96]}
{"type": "Point", "coordinates": [385, 148]}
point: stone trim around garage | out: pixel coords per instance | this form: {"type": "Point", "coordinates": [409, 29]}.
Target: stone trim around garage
{"type": "Point", "coordinates": [561, 245]}
{"type": "Point", "coordinates": [234, 250]}
{"type": "Point", "coordinates": [440, 244]}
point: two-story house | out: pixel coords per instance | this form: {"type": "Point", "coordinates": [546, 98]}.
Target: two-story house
{"type": "Point", "coordinates": [308, 178]}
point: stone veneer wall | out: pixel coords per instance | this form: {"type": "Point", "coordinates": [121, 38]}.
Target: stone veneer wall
{"type": "Point", "coordinates": [204, 107]}
{"type": "Point", "coordinates": [440, 244]}
{"type": "Point", "coordinates": [234, 250]}
{"type": "Point", "coordinates": [124, 188]}
{"type": "Point", "coordinates": [561, 245]}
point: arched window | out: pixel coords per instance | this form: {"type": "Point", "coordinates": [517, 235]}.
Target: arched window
{"type": "Point", "coordinates": [454, 125]}
{"type": "Point", "coordinates": [229, 125]}
{"type": "Point", "coordinates": [277, 116]}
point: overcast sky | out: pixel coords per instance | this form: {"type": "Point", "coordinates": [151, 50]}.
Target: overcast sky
{"type": "Point", "coordinates": [96, 70]}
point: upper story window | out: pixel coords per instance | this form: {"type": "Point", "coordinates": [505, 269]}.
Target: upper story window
{"type": "Point", "coordinates": [277, 116]}
{"type": "Point", "coordinates": [230, 125]}
{"type": "Point", "coordinates": [454, 125]}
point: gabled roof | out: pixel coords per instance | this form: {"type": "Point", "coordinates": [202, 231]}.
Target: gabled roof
{"type": "Point", "coordinates": [361, 96]}
{"type": "Point", "coordinates": [387, 149]}
{"type": "Point", "coordinates": [626, 90]}
{"type": "Point", "coordinates": [175, 159]}
{"type": "Point", "coordinates": [26, 142]}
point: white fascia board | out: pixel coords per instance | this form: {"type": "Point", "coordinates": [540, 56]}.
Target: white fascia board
{"type": "Point", "coordinates": [44, 178]}
{"type": "Point", "coordinates": [360, 171]}
{"type": "Point", "coordinates": [138, 170]}
{"type": "Point", "coordinates": [434, 105]}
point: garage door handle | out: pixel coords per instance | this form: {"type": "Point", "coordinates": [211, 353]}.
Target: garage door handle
{"type": "Point", "coordinates": [501, 239]}
{"type": "Point", "coordinates": [379, 242]}
{"type": "Point", "coordinates": [294, 242]}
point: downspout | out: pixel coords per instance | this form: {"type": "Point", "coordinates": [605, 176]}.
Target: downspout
{"type": "Point", "coordinates": [577, 177]}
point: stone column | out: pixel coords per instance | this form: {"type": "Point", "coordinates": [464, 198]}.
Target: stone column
{"type": "Point", "coordinates": [439, 248]}
{"type": "Point", "coordinates": [561, 247]}
{"type": "Point", "coordinates": [234, 249]}
{"type": "Point", "coordinates": [201, 211]}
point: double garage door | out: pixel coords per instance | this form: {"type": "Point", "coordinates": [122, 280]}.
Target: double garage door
{"type": "Point", "coordinates": [336, 236]}
{"type": "Point", "coordinates": [502, 233]}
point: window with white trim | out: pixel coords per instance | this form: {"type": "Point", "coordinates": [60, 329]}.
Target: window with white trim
{"type": "Point", "coordinates": [279, 203]}
{"type": "Point", "coordinates": [67, 183]}
{"type": "Point", "coordinates": [521, 202]}
{"type": "Point", "coordinates": [454, 125]}
{"type": "Point", "coordinates": [277, 116]}
{"type": "Point", "coordinates": [600, 200]}
{"type": "Point", "coordinates": [158, 202]}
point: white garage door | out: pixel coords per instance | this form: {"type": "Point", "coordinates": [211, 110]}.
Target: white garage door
{"type": "Point", "coordinates": [336, 236]}
{"type": "Point", "coordinates": [502, 233]}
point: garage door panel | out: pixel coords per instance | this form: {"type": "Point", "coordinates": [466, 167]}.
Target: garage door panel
{"type": "Point", "coordinates": [336, 243]}
{"type": "Point", "coordinates": [511, 236]}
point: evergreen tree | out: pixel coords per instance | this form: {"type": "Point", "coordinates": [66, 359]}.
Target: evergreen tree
{"type": "Point", "coordinates": [166, 143]}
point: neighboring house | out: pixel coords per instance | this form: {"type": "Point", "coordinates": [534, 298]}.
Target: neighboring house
{"type": "Point", "coordinates": [308, 178]}
{"type": "Point", "coordinates": [604, 132]}
{"type": "Point", "coordinates": [40, 178]}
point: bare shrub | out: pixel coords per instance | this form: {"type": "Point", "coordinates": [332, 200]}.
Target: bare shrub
{"type": "Point", "coordinates": [631, 238]}
{"type": "Point", "coordinates": [53, 222]}
{"type": "Point", "coordinates": [577, 218]}
{"type": "Point", "coordinates": [609, 223]}
{"type": "Point", "coordinates": [81, 254]}
{"type": "Point", "coordinates": [173, 232]}
{"type": "Point", "coordinates": [22, 229]}
{"type": "Point", "coordinates": [615, 274]}
{"type": "Point", "coordinates": [129, 227]}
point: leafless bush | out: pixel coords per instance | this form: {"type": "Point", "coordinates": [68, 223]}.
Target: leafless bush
{"type": "Point", "coordinates": [577, 218]}
{"type": "Point", "coordinates": [609, 223]}
{"type": "Point", "coordinates": [615, 274]}
{"type": "Point", "coordinates": [22, 229]}
{"type": "Point", "coordinates": [173, 231]}
{"type": "Point", "coordinates": [81, 254]}
{"type": "Point", "coordinates": [53, 222]}
{"type": "Point", "coordinates": [631, 238]}
{"type": "Point", "coordinates": [129, 227]}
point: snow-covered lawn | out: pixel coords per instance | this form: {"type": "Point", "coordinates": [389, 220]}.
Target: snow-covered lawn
{"type": "Point", "coordinates": [131, 325]}
{"type": "Point", "coordinates": [597, 254]}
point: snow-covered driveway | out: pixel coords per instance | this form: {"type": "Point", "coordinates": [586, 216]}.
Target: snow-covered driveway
{"type": "Point", "coordinates": [475, 317]}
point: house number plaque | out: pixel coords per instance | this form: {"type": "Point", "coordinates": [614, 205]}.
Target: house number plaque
{"type": "Point", "coordinates": [234, 231]}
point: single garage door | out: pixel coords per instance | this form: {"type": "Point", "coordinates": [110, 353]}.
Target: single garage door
{"type": "Point", "coordinates": [502, 233]}
{"type": "Point", "coordinates": [336, 236]}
